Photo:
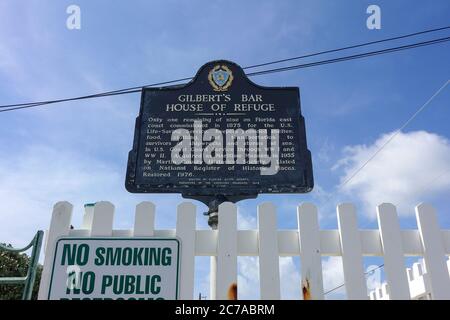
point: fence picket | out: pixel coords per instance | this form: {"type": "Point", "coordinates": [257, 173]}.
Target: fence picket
{"type": "Point", "coordinates": [391, 241]}
{"type": "Point", "coordinates": [310, 253]}
{"type": "Point", "coordinates": [226, 275]}
{"type": "Point", "coordinates": [269, 261]}
{"type": "Point", "coordinates": [433, 251]}
{"type": "Point", "coordinates": [102, 220]}
{"type": "Point", "coordinates": [428, 279]}
{"type": "Point", "coordinates": [352, 261]}
{"type": "Point", "coordinates": [185, 231]}
{"type": "Point", "coordinates": [144, 220]}
{"type": "Point", "coordinates": [87, 217]}
{"type": "Point", "coordinates": [59, 226]}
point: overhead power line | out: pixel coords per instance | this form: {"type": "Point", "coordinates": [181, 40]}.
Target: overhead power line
{"type": "Point", "coordinates": [357, 171]}
{"type": "Point", "coordinates": [413, 116]}
{"type": "Point", "coordinates": [365, 273]}
{"type": "Point", "coordinates": [331, 196]}
{"type": "Point", "coordinates": [352, 57]}
{"type": "Point", "coordinates": [136, 89]}
{"type": "Point", "coordinates": [349, 47]}
{"type": "Point", "coordinates": [139, 88]}
{"type": "Point", "coordinates": [97, 95]}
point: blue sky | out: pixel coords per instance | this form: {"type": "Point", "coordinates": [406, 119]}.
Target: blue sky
{"type": "Point", "coordinates": [77, 151]}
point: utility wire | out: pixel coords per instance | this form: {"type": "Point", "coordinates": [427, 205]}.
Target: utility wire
{"type": "Point", "coordinates": [365, 273]}
{"type": "Point", "coordinates": [349, 47]}
{"type": "Point", "coordinates": [394, 135]}
{"type": "Point", "coordinates": [434, 180]}
{"type": "Point", "coordinates": [139, 88]}
{"type": "Point", "coordinates": [345, 58]}
{"type": "Point", "coordinates": [97, 95]}
{"type": "Point", "coordinates": [378, 151]}
{"type": "Point", "coordinates": [330, 196]}
{"type": "Point", "coordinates": [356, 56]}
{"type": "Point", "coordinates": [283, 69]}
{"type": "Point", "coordinates": [132, 89]}
{"type": "Point", "coordinates": [257, 73]}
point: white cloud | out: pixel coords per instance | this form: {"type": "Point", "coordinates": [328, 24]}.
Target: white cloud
{"type": "Point", "coordinates": [333, 277]}
{"type": "Point", "coordinates": [245, 221]}
{"type": "Point", "coordinates": [249, 283]}
{"type": "Point", "coordinates": [248, 270]}
{"type": "Point", "coordinates": [290, 279]}
{"type": "Point", "coordinates": [36, 178]}
{"type": "Point", "coordinates": [202, 276]}
{"type": "Point", "coordinates": [326, 149]}
{"type": "Point", "coordinates": [8, 63]}
{"type": "Point", "coordinates": [373, 277]}
{"type": "Point", "coordinates": [248, 278]}
{"type": "Point", "coordinates": [410, 169]}
{"type": "Point", "coordinates": [248, 267]}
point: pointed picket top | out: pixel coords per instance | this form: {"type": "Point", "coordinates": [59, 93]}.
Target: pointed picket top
{"type": "Point", "coordinates": [307, 206]}
{"type": "Point", "coordinates": [227, 206]}
{"type": "Point", "coordinates": [87, 217]}
{"type": "Point", "coordinates": [186, 207]}
{"type": "Point", "coordinates": [102, 220]}
{"type": "Point", "coordinates": [62, 208]}
{"type": "Point", "coordinates": [185, 231]}
{"type": "Point", "coordinates": [144, 219]}
{"type": "Point", "coordinates": [269, 263]}
{"type": "Point", "coordinates": [391, 242]}
{"type": "Point", "coordinates": [310, 252]}
{"type": "Point", "coordinates": [433, 251]}
{"type": "Point", "coordinates": [386, 207]}
{"type": "Point", "coordinates": [59, 226]}
{"type": "Point", "coordinates": [267, 206]}
{"type": "Point", "coordinates": [226, 276]}
{"type": "Point", "coordinates": [352, 255]}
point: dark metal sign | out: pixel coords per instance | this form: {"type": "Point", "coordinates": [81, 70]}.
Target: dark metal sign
{"type": "Point", "coordinates": [220, 135]}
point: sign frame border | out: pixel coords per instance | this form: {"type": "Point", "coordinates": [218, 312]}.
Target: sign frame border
{"type": "Point", "coordinates": [130, 176]}
{"type": "Point", "coordinates": [176, 239]}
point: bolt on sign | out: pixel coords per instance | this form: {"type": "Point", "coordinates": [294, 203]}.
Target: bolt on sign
{"type": "Point", "coordinates": [220, 134]}
{"type": "Point", "coordinates": [115, 269]}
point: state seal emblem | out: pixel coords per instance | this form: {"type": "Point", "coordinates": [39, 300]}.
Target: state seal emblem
{"type": "Point", "coordinates": [220, 77]}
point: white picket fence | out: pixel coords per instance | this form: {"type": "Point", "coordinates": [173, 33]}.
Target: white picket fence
{"type": "Point", "coordinates": [268, 243]}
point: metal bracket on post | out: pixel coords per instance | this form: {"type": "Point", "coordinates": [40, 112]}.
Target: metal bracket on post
{"type": "Point", "coordinates": [213, 210]}
{"type": "Point", "coordinates": [213, 202]}
{"type": "Point", "coordinates": [213, 221]}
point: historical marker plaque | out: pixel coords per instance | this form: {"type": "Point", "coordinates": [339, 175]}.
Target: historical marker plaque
{"type": "Point", "coordinates": [220, 134]}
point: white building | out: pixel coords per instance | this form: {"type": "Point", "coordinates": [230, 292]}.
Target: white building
{"type": "Point", "coordinates": [419, 284]}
